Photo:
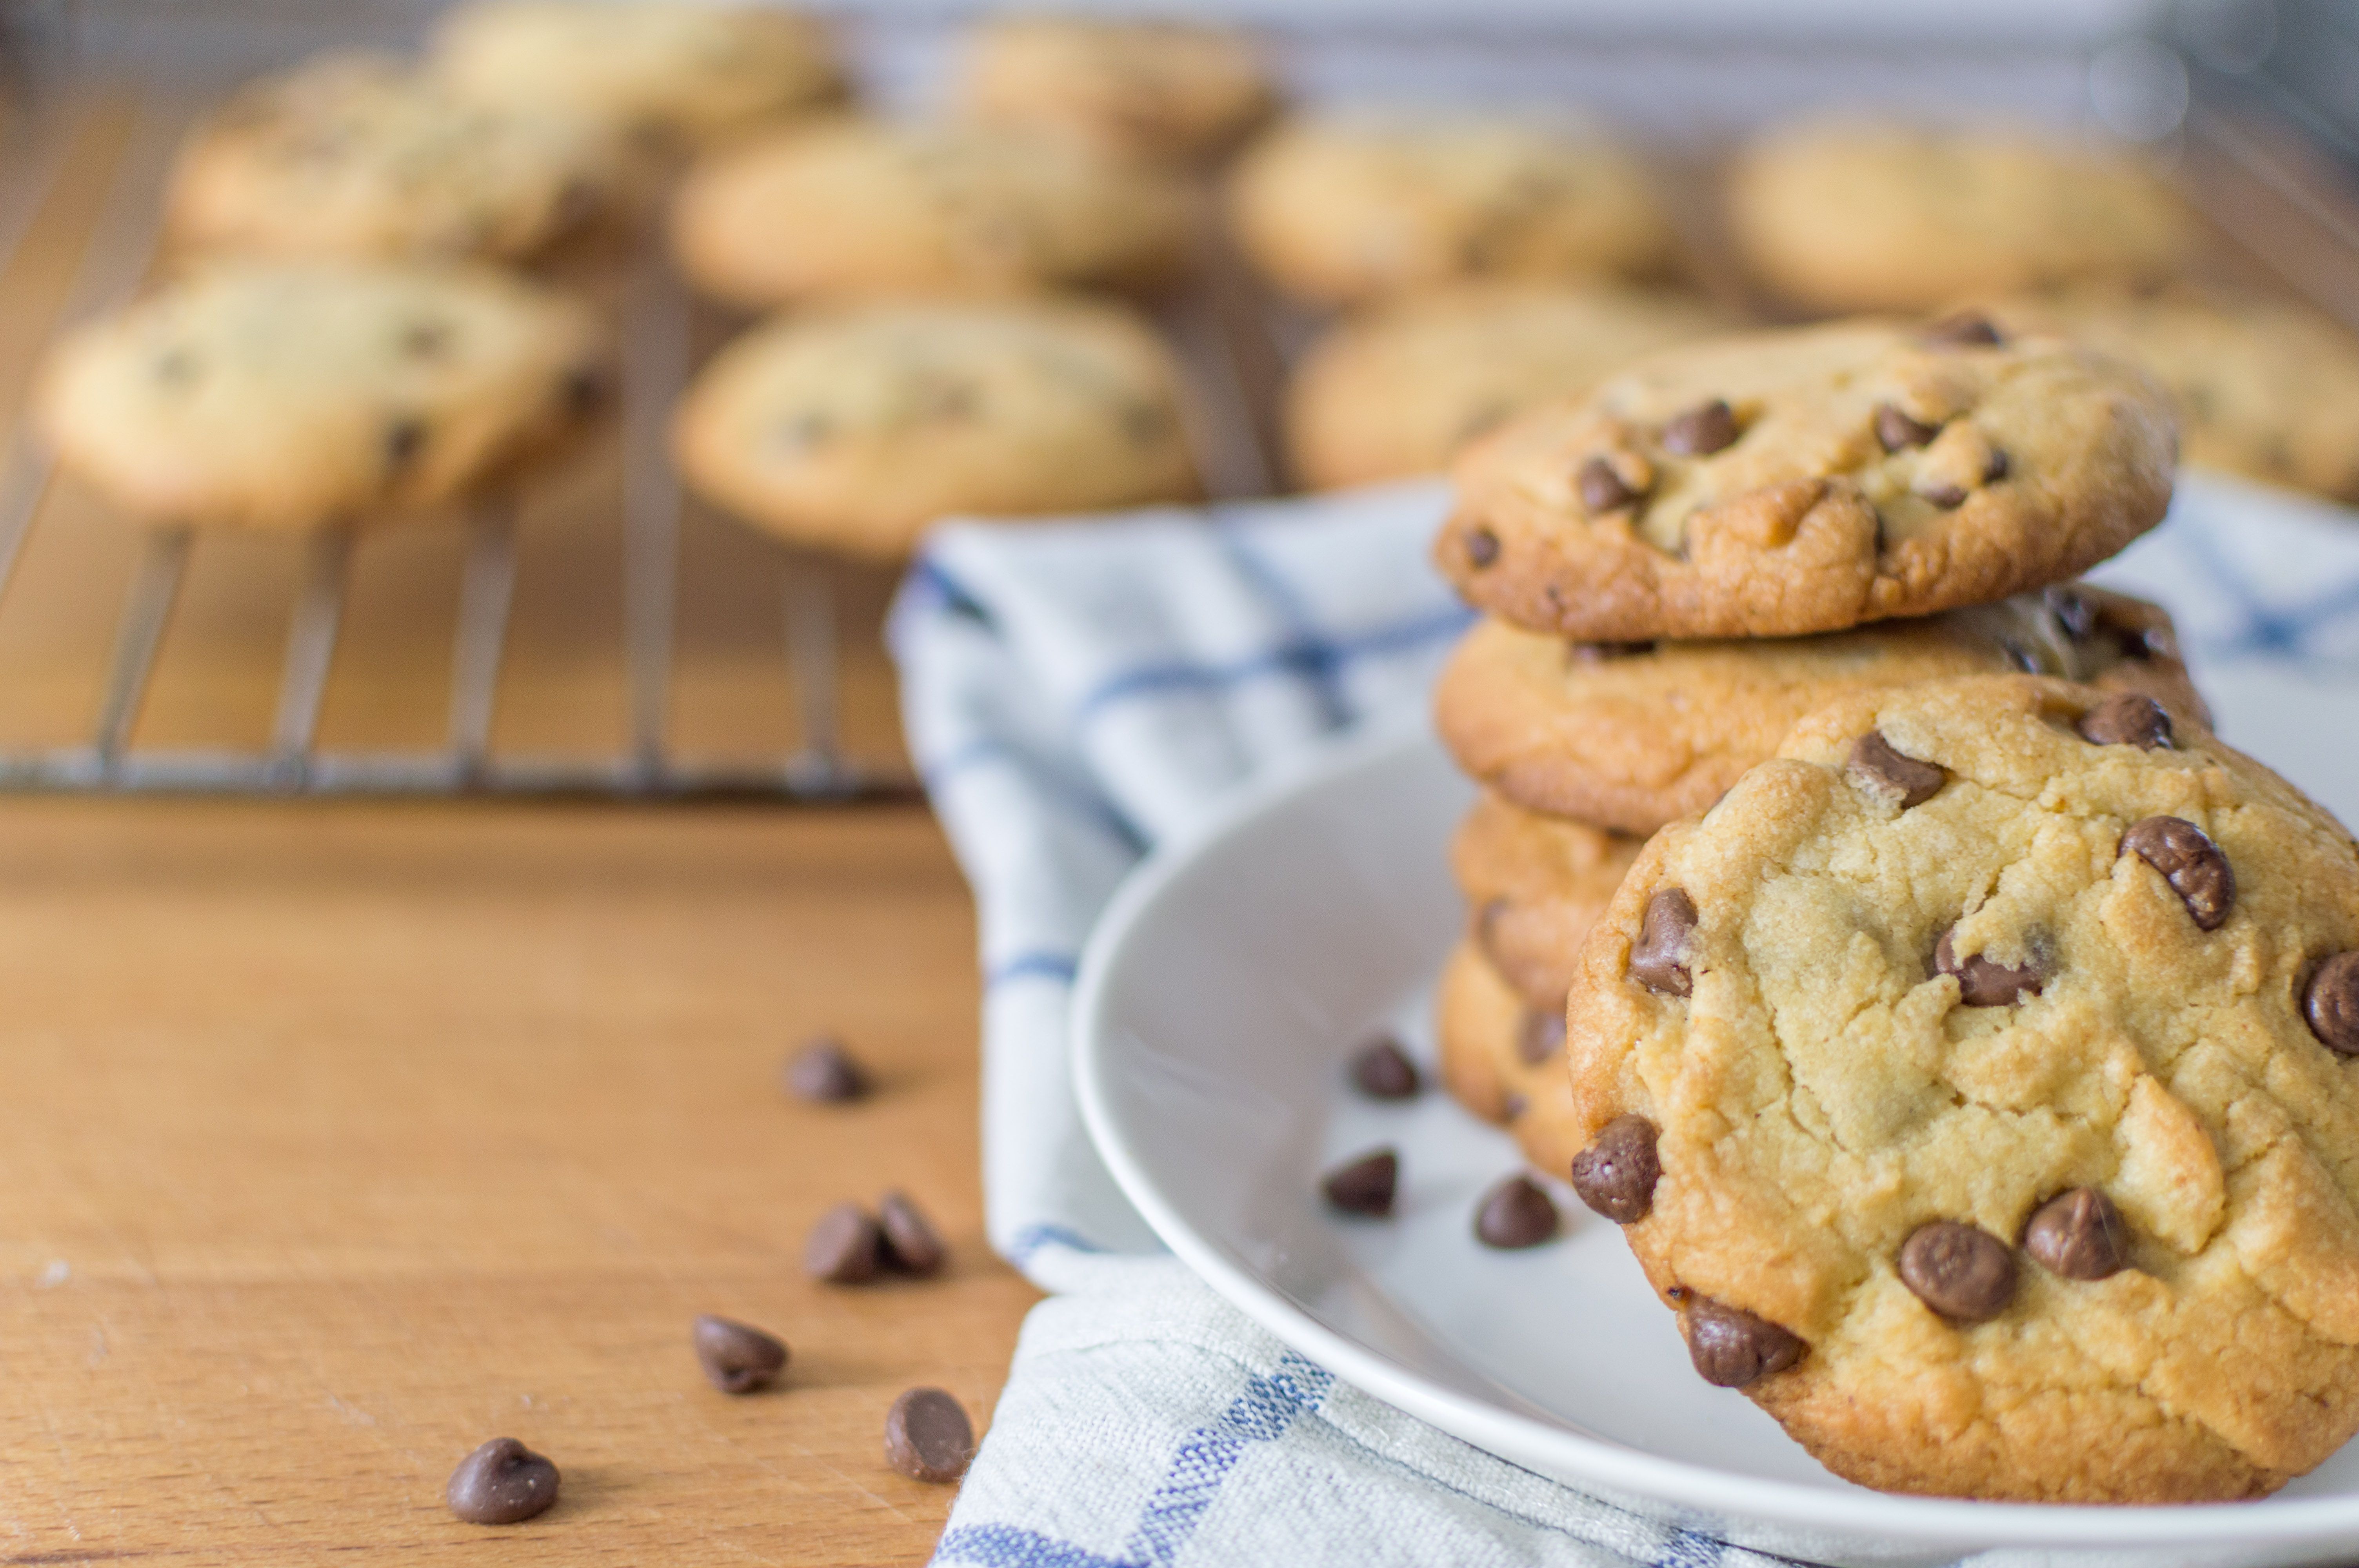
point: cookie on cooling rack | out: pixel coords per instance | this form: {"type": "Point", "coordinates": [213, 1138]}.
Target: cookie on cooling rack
{"type": "Point", "coordinates": [1638, 735]}
{"type": "Point", "coordinates": [852, 431]}
{"type": "Point", "coordinates": [1150, 89]}
{"type": "Point", "coordinates": [292, 393]}
{"type": "Point", "coordinates": [1344, 211]}
{"type": "Point", "coordinates": [669, 72]}
{"type": "Point", "coordinates": [362, 156]}
{"type": "Point", "coordinates": [1534, 885]}
{"type": "Point", "coordinates": [1842, 215]}
{"type": "Point", "coordinates": [1977, 1080]}
{"type": "Point", "coordinates": [1809, 480]}
{"type": "Point", "coordinates": [1503, 1059]}
{"type": "Point", "coordinates": [853, 207]}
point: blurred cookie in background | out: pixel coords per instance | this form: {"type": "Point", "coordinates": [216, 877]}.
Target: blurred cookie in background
{"type": "Point", "coordinates": [1348, 210]}
{"type": "Point", "coordinates": [852, 431]}
{"type": "Point", "coordinates": [363, 155]}
{"type": "Point", "coordinates": [1163, 90]}
{"type": "Point", "coordinates": [861, 209]}
{"type": "Point", "coordinates": [280, 395]}
{"type": "Point", "coordinates": [671, 73]}
{"type": "Point", "coordinates": [1502, 1057]}
{"type": "Point", "coordinates": [1396, 392]}
{"type": "Point", "coordinates": [1846, 215]}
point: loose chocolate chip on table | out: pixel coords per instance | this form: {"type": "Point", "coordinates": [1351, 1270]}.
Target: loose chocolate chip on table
{"type": "Point", "coordinates": [1966, 328]}
{"type": "Point", "coordinates": [1984, 981]}
{"type": "Point", "coordinates": [1887, 772]}
{"type": "Point", "coordinates": [2193, 866]}
{"type": "Point", "coordinates": [1731, 1347]}
{"type": "Point", "coordinates": [911, 1244]}
{"type": "Point", "coordinates": [1481, 547]}
{"type": "Point", "coordinates": [1701, 431]}
{"type": "Point", "coordinates": [2079, 1234]}
{"type": "Point", "coordinates": [737, 1357]}
{"type": "Point", "coordinates": [1895, 430]}
{"type": "Point", "coordinates": [1601, 489]}
{"type": "Point", "coordinates": [1615, 1176]}
{"type": "Point", "coordinates": [845, 1246]}
{"type": "Point", "coordinates": [1364, 1185]}
{"type": "Point", "coordinates": [501, 1483]}
{"type": "Point", "coordinates": [2331, 1003]}
{"type": "Point", "coordinates": [823, 1072]}
{"type": "Point", "coordinates": [1381, 1070]}
{"type": "Point", "coordinates": [1659, 959]}
{"type": "Point", "coordinates": [1515, 1214]}
{"type": "Point", "coordinates": [1540, 1035]}
{"type": "Point", "coordinates": [2127, 718]}
{"type": "Point", "coordinates": [927, 1436]}
{"type": "Point", "coordinates": [404, 439]}
{"type": "Point", "coordinates": [1964, 1273]}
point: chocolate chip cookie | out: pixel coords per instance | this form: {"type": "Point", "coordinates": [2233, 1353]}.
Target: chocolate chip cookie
{"type": "Point", "coordinates": [1163, 90]}
{"type": "Point", "coordinates": [1977, 1082]}
{"type": "Point", "coordinates": [1809, 479]}
{"type": "Point", "coordinates": [852, 431]}
{"type": "Point", "coordinates": [1636, 735]}
{"type": "Point", "coordinates": [1503, 1059]}
{"type": "Point", "coordinates": [1534, 885]}
{"type": "Point", "coordinates": [289, 395]}
{"type": "Point", "coordinates": [1398, 391]}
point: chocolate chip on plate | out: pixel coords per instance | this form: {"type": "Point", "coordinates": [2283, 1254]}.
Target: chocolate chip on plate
{"type": "Point", "coordinates": [2127, 718]}
{"type": "Point", "coordinates": [737, 1357]}
{"type": "Point", "coordinates": [2078, 1234]}
{"type": "Point", "coordinates": [1731, 1348]}
{"type": "Point", "coordinates": [823, 1072]}
{"type": "Point", "coordinates": [1966, 329]}
{"type": "Point", "coordinates": [927, 1436]}
{"type": "Point", "coordinates": [1540, 1035]}
{"type": "Point", "coordinates": [2193, 866]}
{"type": "Point", "coordinates": [911, 1244]}
{"type": "Point", "coordinates": [1601, 489]}
{"type": "Point", "coordinates": [1895, 430]}
{"type": "Point", "coordinates": [845, 1246]}
{"type": "Point", "coordinates": [1616, 1175]}
{"type": "Point", "coordinates": [1702, 431]}
{"type": "Point", "coordinates": [501, 1483]}
{"type": "Point", "coordinates": [1984, 981]}
{"type": "Point", "coordinates": [1659, 959]}
{"type": "Point", "coordinates": [1481, 547]}
{"type": "Point", "coordinates": [2331, 1003]}
{"type": "Point", "coordinates": [1964, 1273]}
{"type": "Point", "coordinates": [1894, 777]}
{"type": "Point", "coordinates": [1364, 1185]}
{"type": "Point", "coordinates": [1514, 1213]}
{"type": "Point", "coordinates": [1381, 1070]}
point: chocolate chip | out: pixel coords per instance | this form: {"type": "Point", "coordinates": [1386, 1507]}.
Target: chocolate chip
{"type": "Point", "coordinates": [1658, 959]}
{"type": "Point", "coordinates": [2127, 718]}
{"type": "Point", "coordinates": [1947, 497]}
{"type": "Point", "coordinates": [1615, 1176]}
{"type": "Point", "coordinates": [1731, 1347]}
{"type": "Point", "coordinates": [927, 1436]}
{"type": "Point", "coordinates": [2193, 866]}
{"type": "Point", "coordinates": [1895, 430]}
{"type": "Point", "coordinates": [1967, 327]}
{"type": "Point", "coordinates": [736, 1357]}
{"type": "Point", "coordinates": [1994, 467]}
{"type": "Point", "coordinates": [1961, 1272]}
{"type": "Point", "coordinates": [2079, 614]}
{"type": "Point", "coordinates": [1601, 489]}
{"type": "Point", "coordinates": [1702, 431]}
{"type": "Point", "coordinates": [501, 1483]}
{"type": "Point", "coordinates": [2331, 1003]}
{"type": "Point", "coordinates": [1984, 981]}
{"type": "Point", "coordinates": [585, 389]}
{"type": "Point", "coordinates": [1514, 1106]}
{"type": "Point", "coordinates": [1381, 1070]}
{"type": "Point", "coordinates": [404, 439]}
{"type": "Point", "coordinates": [823, 1072]}
{"type": "Point", "coordinates": [1540, 1035]}
{"type": "Point", "coordinates": [2079, 1235]}
{"type": "Point", "coordinates": [1364, 1185]}
{"type": "Point", "coordinates": [1481, 547]}
{"type": "Point", "coordinates": [1891, 776]}
{"type": "Point", "coordinates": [911, 1244]}
{"type": "Point", "coordinates": [1515, 1214]}
{"type": "Point", "coordinates": [845, 1246]}
{"type": "Point", "coordinates": [1605, 653]}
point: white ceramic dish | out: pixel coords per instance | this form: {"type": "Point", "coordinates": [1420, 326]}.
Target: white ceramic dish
{"type": "Point", "coordinates": [1217, 1001]}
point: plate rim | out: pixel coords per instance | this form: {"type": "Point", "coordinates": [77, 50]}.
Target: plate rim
{"type": "Point", "coordinates": [1929, 1520]}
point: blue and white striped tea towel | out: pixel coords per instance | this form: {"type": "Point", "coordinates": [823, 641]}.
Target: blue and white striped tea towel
{"type": "Point", "coordinates": [1075, 692]}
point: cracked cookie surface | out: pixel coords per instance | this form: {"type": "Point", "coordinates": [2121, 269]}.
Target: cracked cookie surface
{"type": "Point", "coordinates": [1809, 479]}
{"type": "Point", "coordinates": [1997, 1078]}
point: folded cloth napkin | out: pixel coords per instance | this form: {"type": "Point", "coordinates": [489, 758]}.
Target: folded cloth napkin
{"type": "Point", "coordinates": [1075, 693]}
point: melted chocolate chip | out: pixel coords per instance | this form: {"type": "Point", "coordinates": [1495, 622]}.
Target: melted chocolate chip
{"type": "Point", "coordinates": [1364, 1185]}
{"type": "Point", "coordinates": [906, 1236]}
{"type": "Point", "coordinates": [501, 1483]}
{"type": "Point", "coordinates": [1994, 467]}
{"type": "Point", "coordinates": [2193, 866]}
{"type": "Point", "coordinates": [1701, 430]}
{"type": "Point", "coordinates": [404, 439]}
{"type": "Point", "coordinates": [2079, 1234]}
{"type": "Point", "coordinates": [1381, 1070]}
{"type": "Point", "coordinates": [1659, 959]}
{"type": "Point", "coordinates": [1515, 1214]}
{"type": "Point", "coordinates": [737, 1357]}
{"type": "Point", "coordinates": [1967, 329]}
{"type": "Point", "coordinates": [1892, 775]}
{"type": "Point", "coordinates": [1601, 489]}
{"type": "Point", "coordinates": [1481, 547]}
{"type": "Point", "coordinates": [2079, 613]}
{"type": "Point", "coordinates": [1731, 1347]}
{"type": "Point", "coordinates": [1616, 1175]}
{"type": "Point", "coordinates": [1540, 1035]}
{"type": "Point", "coordinates": [2331, 1003]}
{"type": "Point", "coordinates": [844, 1247]}
{"type": "Point", "coordinates": [2127, 718]}
{"type": "Point", "coordinates": [1964, 1273]}
{"type": "Point", "coordinates": [927, 1436]}
{"type": "Point", "coordinates": [1984, 981]}
{"type": "Point", "coordinates": [823, 1072]}
{"type": "Point", "coordinates": [1895, 430]}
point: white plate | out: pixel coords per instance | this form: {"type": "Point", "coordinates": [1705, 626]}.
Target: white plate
{"type": "Point", "coordinates": [1217, 1002]}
